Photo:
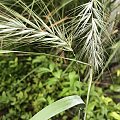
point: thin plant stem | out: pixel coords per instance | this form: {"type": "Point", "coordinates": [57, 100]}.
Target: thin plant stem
{"type": "Point", "coordinates": [68, 67]}
{"type": "Point", "coordinates": [34, 53]}
{"type": "Point", "coordinates": [89, 88]}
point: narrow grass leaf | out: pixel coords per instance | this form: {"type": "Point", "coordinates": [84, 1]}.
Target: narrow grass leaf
{"type": "Point", "coordinates": [58, 107]}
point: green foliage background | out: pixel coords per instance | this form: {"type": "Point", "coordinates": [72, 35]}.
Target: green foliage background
{"type": "Point", "coordinates": [28, 84]}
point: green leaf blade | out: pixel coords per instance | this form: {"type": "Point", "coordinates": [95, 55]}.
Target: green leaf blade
{"type": "Point", "coordinates": [57, 107]}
